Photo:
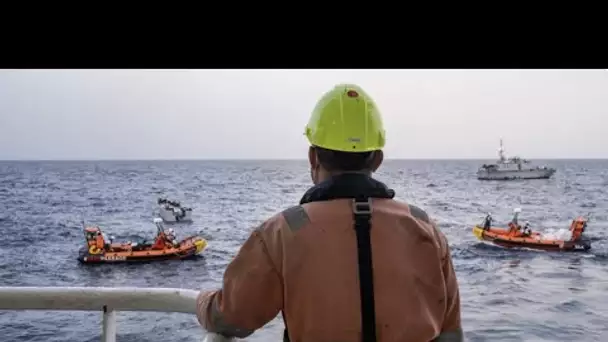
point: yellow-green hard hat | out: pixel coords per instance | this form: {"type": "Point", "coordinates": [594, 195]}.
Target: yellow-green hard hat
{"type": "Point", "coordinates": [346, 119]}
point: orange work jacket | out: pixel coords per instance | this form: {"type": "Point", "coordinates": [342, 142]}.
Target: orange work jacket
{"type": "Point", "coordinates": [303, 263]}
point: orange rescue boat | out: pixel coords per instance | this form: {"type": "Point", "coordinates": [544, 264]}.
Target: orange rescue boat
{"type": "Point", "coordinates": [100, 249]}
{"type": "Point", "coordinates": [516, 236]}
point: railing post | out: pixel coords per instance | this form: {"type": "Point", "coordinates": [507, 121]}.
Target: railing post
{"type": "Point", "coordinates": [108, 333]}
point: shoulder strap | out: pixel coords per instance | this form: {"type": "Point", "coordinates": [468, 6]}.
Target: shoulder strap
{"type": "Point", "coordinates": [362, 211]}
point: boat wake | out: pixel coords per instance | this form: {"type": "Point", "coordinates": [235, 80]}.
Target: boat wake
{"type": "Point", "coordinates": [562, 234]}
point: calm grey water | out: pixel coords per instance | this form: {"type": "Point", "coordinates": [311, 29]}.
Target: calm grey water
{"type": "Point", "coordinates": [506, 295]}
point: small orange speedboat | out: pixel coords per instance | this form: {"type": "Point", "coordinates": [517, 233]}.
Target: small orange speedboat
{"type": "Point", "coordinates": [516, 236]}
{"type": "Point", "coordinates": [100, 250]}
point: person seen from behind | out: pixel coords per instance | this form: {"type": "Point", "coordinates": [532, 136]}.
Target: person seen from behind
{"type": "Point", "coordinates": [349, 263]}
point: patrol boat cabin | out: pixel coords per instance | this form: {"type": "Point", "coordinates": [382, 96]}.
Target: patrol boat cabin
{"type": "Point", "coordinates": [512, 168]}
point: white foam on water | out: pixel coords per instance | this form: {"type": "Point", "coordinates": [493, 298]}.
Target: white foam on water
{"type": "Point", "coordinates": [557, 234]}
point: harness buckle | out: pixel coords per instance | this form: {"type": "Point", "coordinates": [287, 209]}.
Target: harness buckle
{"type": "Point", "coordinates": [362, 208]}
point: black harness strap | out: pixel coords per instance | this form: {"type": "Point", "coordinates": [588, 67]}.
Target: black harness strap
{"type": "Point", "coordinates": [362, 188]}
{"type": "Point", "coordinates": [362, 211]}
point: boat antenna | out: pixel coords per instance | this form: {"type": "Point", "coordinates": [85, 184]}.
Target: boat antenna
{"type": "Point", "coordinates": [501, 154]}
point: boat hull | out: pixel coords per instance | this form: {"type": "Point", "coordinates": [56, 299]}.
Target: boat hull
{"type": "Point", "coordinates": [515, 174]}
{"type": "Point", "coordinates": [120, 253]}
{"type": "Point", "coordinates": [169, 216]}
{"type": "Point", "coordinates": [500, 237]}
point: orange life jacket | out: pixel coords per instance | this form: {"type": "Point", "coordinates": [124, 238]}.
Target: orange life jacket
{"type": "Point", "coordinates": [99, 241]}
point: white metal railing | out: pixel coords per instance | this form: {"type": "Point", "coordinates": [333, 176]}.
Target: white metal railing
{"type": "Point", "coordinates": [105, 299]}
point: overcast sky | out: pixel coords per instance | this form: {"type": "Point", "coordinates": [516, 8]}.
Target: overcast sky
{"type": "Point", "coordinates": [251, 114]}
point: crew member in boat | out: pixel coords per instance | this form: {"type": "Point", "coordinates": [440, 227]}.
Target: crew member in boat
{"type": "Point", "coordinates": [160, 240]}
{"type": "Point", "coordinates": [107, 241]}
{"type": "Point", "coordinates": [487, 222]}
{"type": "Point", "coordinates": [516, 212]}
{"type": "Point", "coordinates": [514, 227]}
{"type": "Point", "coordinates": [526, 230]}
{"type": "Point", "coordinates": [99, 241]}
{"type": "Point", "coordinates": [305, 261]}
{"type": "Point", "coordinates": [171, 239]}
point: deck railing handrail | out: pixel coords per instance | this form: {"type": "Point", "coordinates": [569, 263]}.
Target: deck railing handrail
{"type": "Point", "coordinates": [108, 300]}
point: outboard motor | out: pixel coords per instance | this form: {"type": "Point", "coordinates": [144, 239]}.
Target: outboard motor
{"type": "Point", "coordinates": [577, 228]}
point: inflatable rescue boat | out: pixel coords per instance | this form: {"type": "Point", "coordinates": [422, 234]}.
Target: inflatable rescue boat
{"type": "Point", "coordinates": [100, 249]}
{"type": "Point", "coordinates": [516, 236]}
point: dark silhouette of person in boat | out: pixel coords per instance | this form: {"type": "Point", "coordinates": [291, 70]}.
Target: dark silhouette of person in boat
{"type": "Point", "coordinates": [487, 222]}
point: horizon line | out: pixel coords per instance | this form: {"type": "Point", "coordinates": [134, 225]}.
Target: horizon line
{"type": "Point", "coordinates": [276, 159]}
